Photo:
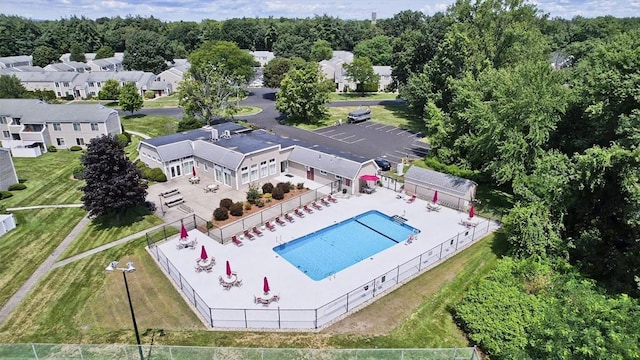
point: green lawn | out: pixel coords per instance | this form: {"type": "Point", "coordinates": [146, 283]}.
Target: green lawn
{"type": "Point", "coordinates": [162, 102]}
{"type": "Point", "coordinates": [358, 96]}
{"type": "Point", "coordinates": [248, 110]}
{"type": "Point", "coordinates": [100, 232]}
{"type": "Point", "coordinates": [23, 249]}
{"type": "Point", "coordinates": [48, 179]}
{"type": "Point", "coordinates": [152, 125]}
{"type": "Point", "coordinates": [132, 149]}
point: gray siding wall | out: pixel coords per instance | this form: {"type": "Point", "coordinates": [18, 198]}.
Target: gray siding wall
{"type": "Point", "coordinates": [7, 172]}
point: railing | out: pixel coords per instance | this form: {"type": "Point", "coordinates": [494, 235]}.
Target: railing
{"type": "Point", "coordinates": [119, 351]}
{"type": "Point", "coordinates": [317, 318]}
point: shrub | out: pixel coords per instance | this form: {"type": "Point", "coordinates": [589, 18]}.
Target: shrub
{"type": "Point", "coordinates": [226, 203]}
{"type": "Point", "coordinates": [150, 205]}
{"type": "Point", "coordinates": [154, 174]}
{"type": "Point", "coordinates": [78, 172]}
{"type": "Point", "coordinates": [221, 213]}
{"type": "Point", "coordinates": [52, 148]}
{"type": "Point", "coordinates": [267, 188]}
{"type": "Point", "coordinates": [69, 97]}
{"type": "Point", "coordinates": [149, 94]}
{"type": "Point", "coordinates": [259, 203]}
{"type": "Point", "coordinates": [5, 194]}
{"type": "Point", "coordinates": [75, 148]}
{"type": "Point", "coordinates": [253, 194]}
{"type": "Point", "coordinates": [140, 165]}
{"type": "Point", "coordinates": [122, 139]}
{"type": "Point", "coordinates": [300, 186]}
{"type": "Point", "coordinates": [284, 187]}
{"type": "Point", "coordinates": [209, 225]}
{"type": "Point", "coordinates": [17, 187]}
{"type": "Point", "coordinates": [236, 209]}
{"type": "Point", "coordinates": [278, 193]}
{"type": "Point", "coordinates": [267, 196]}
{"type": "Point", "coordinates": [247, 206]}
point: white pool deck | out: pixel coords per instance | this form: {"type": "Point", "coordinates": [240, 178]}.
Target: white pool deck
{"type": "Point", "coordinates": [257, 259]}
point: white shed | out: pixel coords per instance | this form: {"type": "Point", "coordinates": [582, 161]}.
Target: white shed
{"type": "Point", "coordinates": [453, 191]}
{"type": "Point", "coordinates": [7, 223]}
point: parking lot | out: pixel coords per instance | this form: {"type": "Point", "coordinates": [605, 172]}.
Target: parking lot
{"type": "Point", "coordinates": [378, 140]}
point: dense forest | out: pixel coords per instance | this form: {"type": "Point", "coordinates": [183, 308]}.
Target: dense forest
{"type": "Point", "coordinates": [545, 109]}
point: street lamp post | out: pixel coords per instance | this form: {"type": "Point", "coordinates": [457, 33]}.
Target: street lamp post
{"type": "Point", "coordinates": [129, 268]}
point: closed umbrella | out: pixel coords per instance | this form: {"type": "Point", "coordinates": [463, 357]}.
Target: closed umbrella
{"type": "Point", "coordinates": [435, 197]}
{"type": "Point", "coordinates": [228, 269]}
{"type": "Point", "coordinates": [183, 232]}
{"type": "Point", "coordinates": [472, 212]}
{"type": "Point", "coordinates": [203, 253]}
{"type": "Point", "coordinates": [265, 286]}
{"type": "Point", "coordinates": [193, 171]}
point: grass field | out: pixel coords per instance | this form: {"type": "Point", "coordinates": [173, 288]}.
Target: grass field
{"type": "Point", "coordinates": [103, 232]}
{"type": "Point", "coordinates": [48, 179]}
{"type": "Point", "coordinates": [132, 149]}
{"type": "Point", "coordinates": [24, 248]}
{"type": "Point", "coordinates": [152, 125]}
{"type": "Point", "coordinates": [162, 102]}
{"type": "Point", "coordinates": [358, 96]}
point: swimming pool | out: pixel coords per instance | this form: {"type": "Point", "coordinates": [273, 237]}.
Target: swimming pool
{"type": "Point", "coordinates": [334, 248]}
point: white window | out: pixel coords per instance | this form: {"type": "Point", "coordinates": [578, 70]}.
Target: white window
{"type": "Point", "coordinates": [5, 134]}
{"type": "Point", "coordinates": [338, 177]}
{"type": "Point", "coordinates": [94, 126]}
{"type": "Point", "coordinates": [99, 84]}
{"type": "Point", "coordinates": [206, 167]}
{"type": "Point", "coordinates": [76, 126]}
{"type": "Point", "coordinates": [57, 85]}
{"type": "Point", "coordinates": [227, 177]}
{"type": "Point", "coordinates": [322, 172]}
{"type": "Point", "coordinates": [244, 174]}
{"type": "Point", "coordinates": [3, 120]}
{"type": "Point", "coordinates": [60, 141]}
{"type": "Point", "coordinates": [80, 141]}
{"type": "Point", "coordinates": [57, 127]}
{"type": "Point", "coordinates": [264, 171]}
{"type": "Point", "coordinates": [272, 166]}
{"type": "Point", "coordinates": [254, 172]}
{"type": "Point", "coordinates": [91, 84]}
{"type": "Point", "coordinates": [66, 84]}
{"type": "Point", "coordinates": [218, 172]}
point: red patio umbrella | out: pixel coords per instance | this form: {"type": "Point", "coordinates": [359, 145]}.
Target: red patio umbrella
{"type": "Point", "coordinates": [435, 197]}
{"type": "Point", "coordinates": [183, 233]}
{"type": "Point", "coordinates": [265, 286]}
{"type": "Point", "coordinates": [193, 171]}
{"type": "Point", "coordinates": [369, 177]}
{"type": "Point", "coordinates": [472, 212]}
{"type": "Point", "coordinates": [203, 253]}
{"type": "Point", "coordinates": [228, 269]}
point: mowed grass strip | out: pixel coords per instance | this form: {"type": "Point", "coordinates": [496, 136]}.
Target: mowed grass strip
{"type": "Point", "coordinates": [355, 96]}
{"type": "Point", "coordinates": [101, 231]}
{"type": "Point", "coordinates": [152, 125]}
{"type": "Point", "coordinates": [23, 249]}
{"type": "Point", "coordinates": [132, 148]}
{"type": "Point", "coordinates": [48, 179]}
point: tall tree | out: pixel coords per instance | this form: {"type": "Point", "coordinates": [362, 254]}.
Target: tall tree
{"type": "Point", "coordinates": [130, 99]}
{"type": "Point", "coordinates": [104, 52]}
{"type": "Point", "coordinates": [303, 93]}
{"type": "Point", "coordinates": [379, 49]}
{"type": "Point", "coordinates": [45, 55]}
{"type": "Point", "coordinates": [113, 183]}
{"type": "Point", "coordinates": [361, 72]}
{"type": "Point", "coordinates": [76, 53]}
{"type": "Point", "coordinates": [226, 57]}
{"type": "Point", "coordinates": [11, 87]}
{"type": "Point", "coordinates": [146, 51]}
{"type": "Point", "coordinates": [110, 90]}
{"type": "Point", "coordinates": [321, 50]}
{"type": "Point", "coordinates": [275, 70]}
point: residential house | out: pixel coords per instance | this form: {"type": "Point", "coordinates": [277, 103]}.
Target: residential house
{"type": "Point", "coordinates": [8, 174]}
{"type": "Point", "coordinates": [14, 61]}
{"type": "Point", "coordinates": [106, 64]}
{"type": "Point", "coordinates": [453, 191]}
{"type": "Point", "coordinates": [33, 124]}
{"type": "Point", "coordinates": [385, 77]}
{"type": "Point", "coordinates": [262, 57]}
{"type": "Point", "coordinates": [143, 80]}
{"type": "Point", "coordinates": [25, 68]}
{"type": "Point", "coordinates": [233, 156]}
{"type": "Point", "coordinates": [174, 75]}
{"type": "Point", "coordinates": [89, 56]}
{"type": "Point", "coordinates": [61, 83]}
{"type": "Point", "coordinates": [333, 69]}
{"type": "Point", "coordinates": [71, 66]}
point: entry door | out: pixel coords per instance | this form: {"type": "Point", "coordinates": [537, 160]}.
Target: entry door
{"type": "Point", "coordinates": [310, 173]}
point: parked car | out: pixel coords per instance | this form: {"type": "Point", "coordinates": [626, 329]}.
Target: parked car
{"type": "Point", "coordinates": [383, 164]}
{"type": "Point", "coordinates": [359, 115]}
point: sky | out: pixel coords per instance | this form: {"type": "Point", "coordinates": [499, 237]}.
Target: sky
{"type": "Point", "coordinates": [197, 10]}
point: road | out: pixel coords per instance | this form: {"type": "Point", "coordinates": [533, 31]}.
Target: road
{"type": "Point", "coordinates": [367, 139]}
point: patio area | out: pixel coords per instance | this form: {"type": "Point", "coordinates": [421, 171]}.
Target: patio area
{"type": "Point", "coordinates": [302, 302]}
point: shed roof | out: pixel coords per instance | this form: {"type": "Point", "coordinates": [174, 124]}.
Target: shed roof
{"type": "Point", "coordinates": [440, 181]}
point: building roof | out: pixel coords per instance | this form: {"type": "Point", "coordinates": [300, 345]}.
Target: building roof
{"type": "Point", "coordinates": [173, 151]}
{"type": "Point", "coordinates": [67, 66]}
{"type": "Point", "coordinates": [48, 76]}
{"type": "Point", "coordinates": [382, 70]}
{"type": "Point", "coordinates": [24, 68]}
{"type": "Point", "coordinates": [193, 135]}
{"type": "Point", "coordinates": [107, 61]}
{"type": "Point", "coordinates": [217, 154]}
{"type": "Point", "coordinates": [330, 163]}
{"type": "Point", "coordinates": [440, 181]}
{"type": "Point", "coordinates": [36, 111]}
{"type": "Point", "coordinates": [8, 60]}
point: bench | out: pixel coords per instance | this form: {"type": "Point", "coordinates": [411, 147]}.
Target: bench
{"type": "Point", "coordinates": [174, 202]}
{"type": "Point", "coordinates": [170, 193]}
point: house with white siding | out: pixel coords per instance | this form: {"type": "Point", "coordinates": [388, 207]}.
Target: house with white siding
{"type": "Point", "coordinates": [8, 174]}
{"type": "Point", "coordinates": [15, 61]}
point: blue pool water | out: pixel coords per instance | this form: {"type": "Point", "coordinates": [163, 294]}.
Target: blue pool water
{"type": "Point", "coordinates": [334, 248]}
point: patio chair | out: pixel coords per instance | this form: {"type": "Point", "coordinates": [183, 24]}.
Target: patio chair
{"type": "Point", "coordinates": [316, 206]}
{"type": "Point", "coordinates": [324, 202]}
{"type": "Point", "coordinates": [236, 241]}
{"type": "Point", "coordinates": [298, 213]}
{"type": "Point", "coordinates": [270, 226]}
{"type": "Point", "coordinates": [411, 199]}
{"type": "Point", "coordinates": [289, 218]}
{"type": "Point", "coordinates": [433, 207]}
{"type": "Point", "coordinates": [256, 231]}
{"type": "Point", "coordinates": [307, 209]}
{"type": "Point", "coordinates": [280, 222]}
{"type": "Point", "coordinates": [332, 199]}
{"type": "Point", "coordinates": [248, 235]}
